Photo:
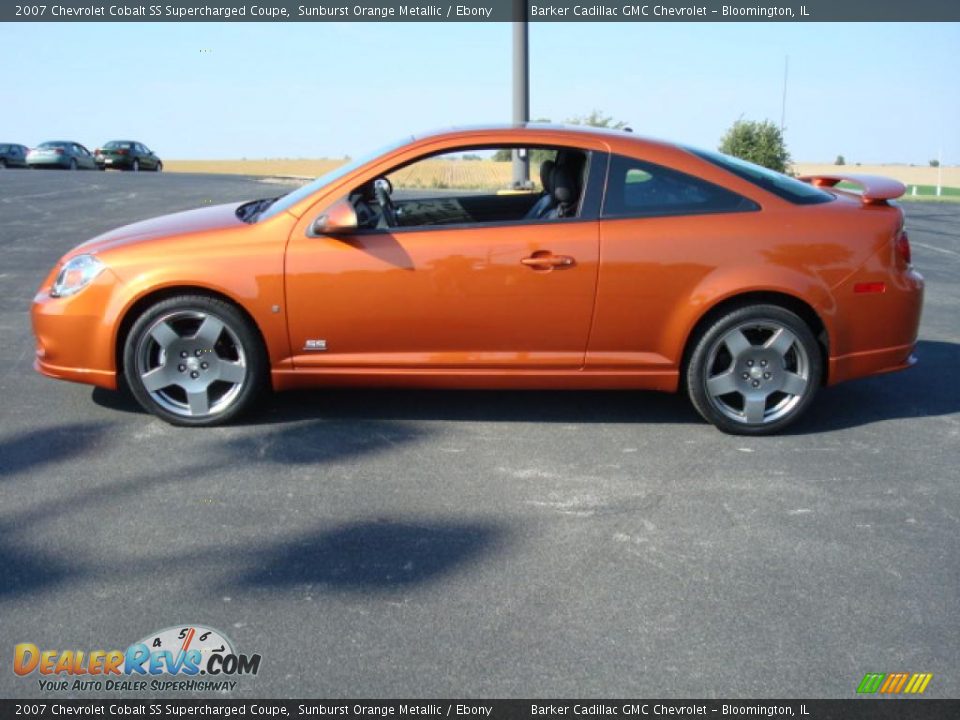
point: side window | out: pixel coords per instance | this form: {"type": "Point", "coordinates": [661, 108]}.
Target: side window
{"type": "Point", "coordinates": [474, 185]}
{"type": "Point", "coordinates": [637, 189]}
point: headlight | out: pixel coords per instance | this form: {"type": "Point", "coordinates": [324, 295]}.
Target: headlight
{"type": "Point", "coordinates": [75, 275]}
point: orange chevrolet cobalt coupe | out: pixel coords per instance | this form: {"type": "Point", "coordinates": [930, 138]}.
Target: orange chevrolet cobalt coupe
{"type": "Point", "coordinates": [631, 264]}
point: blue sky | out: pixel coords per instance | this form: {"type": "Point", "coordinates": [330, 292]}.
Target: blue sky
{"type": "Point", "coordinates": [882, 92]}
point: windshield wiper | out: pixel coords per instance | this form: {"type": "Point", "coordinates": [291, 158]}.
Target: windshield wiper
{"type": "Point", "coordinates": [249, 211]}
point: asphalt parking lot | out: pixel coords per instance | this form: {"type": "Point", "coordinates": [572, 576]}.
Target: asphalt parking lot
{"type": "Point", "coordinates": [497, 544]}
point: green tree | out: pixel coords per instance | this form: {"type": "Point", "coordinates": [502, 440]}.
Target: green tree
{"type": "Point", "coordinates": [757, 142]}
{"type": "Point", "coordinates": [598, 119]}
{"type": "Point", "coordinates": [841, 160]}
{"type": "Point", "coordinates": [934, 163]}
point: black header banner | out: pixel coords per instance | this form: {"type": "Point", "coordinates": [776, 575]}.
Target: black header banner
{"type": "Point", "coordinates": [484, 11]}
{"type": "Point", "coordinates": [853, 709]}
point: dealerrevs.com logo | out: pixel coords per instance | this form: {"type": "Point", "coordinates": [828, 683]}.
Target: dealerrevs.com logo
{"type": "Point", "coordinates": [181, 658]}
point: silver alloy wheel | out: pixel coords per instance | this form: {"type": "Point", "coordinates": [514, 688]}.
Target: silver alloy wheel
{"type": "Point", "coordinates": [757, 372]}
{"type": "Point", "coordinates": [136, 166]}
{"type": "Point", "coordinates": [191, 363]}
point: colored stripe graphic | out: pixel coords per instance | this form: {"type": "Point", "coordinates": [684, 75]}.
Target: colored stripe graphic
{"type": "Point", "coordinates": [870, 683]}
{"type": "Point", "coordinates": [918, 683]}
{"type": "Point", "coordinates": [894, 683]}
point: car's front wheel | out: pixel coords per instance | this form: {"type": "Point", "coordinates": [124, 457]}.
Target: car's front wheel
{"type": "Point", "coordinates": [158, 167]}
{"type": "Point", "coordinates": [136, 166]}
{"type": "Point", "coordinates": [194, 360]}
{"type": "Point", "coordinates": [754, 370]}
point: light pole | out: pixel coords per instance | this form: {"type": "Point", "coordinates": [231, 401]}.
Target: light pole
{"type": "Point", "coordinates": [521, 90]}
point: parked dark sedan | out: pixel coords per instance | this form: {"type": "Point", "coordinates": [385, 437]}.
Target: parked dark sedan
{"type": "Point", "coordinates": [127, 155]}
{"type": "Point", "coordinates": [13, 155]}
{"type": "Point", "coordinates": [64, 154]}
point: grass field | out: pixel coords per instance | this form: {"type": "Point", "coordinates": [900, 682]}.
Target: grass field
{"type": "Point", "coordinates": [475, 174]}
{"type": "Point", "coordinates": [907, 174]}
{"type": "Point", "coordinates": [458, 174]}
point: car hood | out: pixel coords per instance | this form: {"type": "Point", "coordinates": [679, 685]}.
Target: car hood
{"type": "Point", "coordinates": [191, 221]}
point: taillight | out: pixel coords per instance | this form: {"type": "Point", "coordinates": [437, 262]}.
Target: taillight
{"type": "Point", "coordinates": [902, 247]}
{"type": "Point", "coordinates": [59, 151]}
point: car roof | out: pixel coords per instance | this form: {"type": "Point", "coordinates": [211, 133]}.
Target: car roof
{"type": "Point", "coordinates": [609, 136]}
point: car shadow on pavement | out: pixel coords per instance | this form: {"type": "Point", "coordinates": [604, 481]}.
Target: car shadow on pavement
{"type": "Point", "coordinates": [26, 571]}
{"type": "Point", "coordinates": [374, 555]}
{"type": "Point", "coordinates": [928, 389]}
{"type": "Point", "coordinates": [34, 448]}
{"type": "Point", "coordinates": [23, 569]}
{"type": "Point", "coordinates": [562, 406]}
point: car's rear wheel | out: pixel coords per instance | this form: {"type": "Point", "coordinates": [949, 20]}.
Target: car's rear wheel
{"type": "Point", "coordinates": [73, 164]}
{"type": "Point", "coordinates": [159, 167]}
{"type": "Point", "coordinates": [754, 370]}
{"type": "Point", "coordinates": [3, 164]}
{"type": "Point", "coordinates": [194, 360]}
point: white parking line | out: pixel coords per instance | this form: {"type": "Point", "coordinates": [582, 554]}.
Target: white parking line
{"type": "Point", "coordinates": [934, 247]}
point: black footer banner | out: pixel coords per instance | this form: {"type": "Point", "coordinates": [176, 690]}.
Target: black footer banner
{"type": "Point", "coordinates": [853, 709]}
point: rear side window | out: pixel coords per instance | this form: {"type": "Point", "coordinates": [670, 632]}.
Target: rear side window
{"type": "Point", "coordinates": [639, 189]}
{"type": "Point", "coordinates": [784, 186]}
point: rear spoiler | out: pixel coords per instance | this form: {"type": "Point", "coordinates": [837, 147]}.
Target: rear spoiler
{"type": "Point", "coordinates": [875, 188]}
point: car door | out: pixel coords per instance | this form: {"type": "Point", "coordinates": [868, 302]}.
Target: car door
{"type": "Point", "coordinates": [84, 158]}
{"type": "Point", "coordinates": [500, 296]}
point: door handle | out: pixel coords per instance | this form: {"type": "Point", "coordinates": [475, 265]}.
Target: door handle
{"type": "Point", "coordinates": [548, 261]}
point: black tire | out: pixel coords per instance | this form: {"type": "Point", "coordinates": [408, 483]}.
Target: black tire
{"type": "Point", "coordinates": [158, 167]}
{"type": "Point", "coordinates": [3, 164]}
{"type": "Point", "coordinates": [230, 365]}
{"type": "Point", "coordinates": [738, 379]}
{"type": "Point", "coordinates": [73, 164]}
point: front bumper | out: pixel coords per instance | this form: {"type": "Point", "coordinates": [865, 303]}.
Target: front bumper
{"type": "Point", "coordinates": [114, 163]}
{"type": "Point", "coordinates": [76, 335]}
{"type": "Point", "coordinates": [58, 161]}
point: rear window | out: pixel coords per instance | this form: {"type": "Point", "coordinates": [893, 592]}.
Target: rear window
{"type": "Point", "coordinates": [53, 145]}
{"type": "Point", "coordinates": [636, 189]}
{"type": "Point", "coordinates": [784, 186]}
{"type": "Point", "coordinates": [116, 145]}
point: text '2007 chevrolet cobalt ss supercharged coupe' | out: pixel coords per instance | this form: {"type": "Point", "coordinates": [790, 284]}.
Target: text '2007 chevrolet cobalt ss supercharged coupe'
{"type": "Point", "coordinates": [632, 264]}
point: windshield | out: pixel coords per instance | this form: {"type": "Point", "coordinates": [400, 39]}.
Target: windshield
{"type": "Point", "coordinates": [784, 186]}
{"type": "Point", "coordinates": [291, 199]}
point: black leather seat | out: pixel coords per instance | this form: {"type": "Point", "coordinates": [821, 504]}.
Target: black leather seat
{"type": "Point", "coordinates": [566, 193]}
{"type": "Point", "coordinates": [546, 201]}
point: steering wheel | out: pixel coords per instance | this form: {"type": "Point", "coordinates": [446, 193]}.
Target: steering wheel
{"type": "Point", "coordinates": [382, 190]}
